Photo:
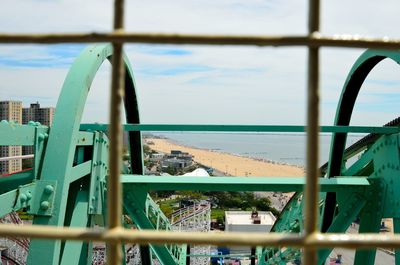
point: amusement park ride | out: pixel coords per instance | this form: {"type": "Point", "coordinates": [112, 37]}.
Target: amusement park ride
{"type": "Point", "coordinates": [67, 185]}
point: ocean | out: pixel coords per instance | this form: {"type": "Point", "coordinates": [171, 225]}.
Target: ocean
{"type": "Point", "coordinates": [281, 148]}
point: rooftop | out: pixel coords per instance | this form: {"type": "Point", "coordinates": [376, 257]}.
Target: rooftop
{"type": "Point", "coordinates": [245, 217]}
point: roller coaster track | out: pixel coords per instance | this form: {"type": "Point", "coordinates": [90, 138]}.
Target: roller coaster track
{"type": "Point", "coordinates": [196, 218]}
{"type": "Point", "coordinates": [16, 249]}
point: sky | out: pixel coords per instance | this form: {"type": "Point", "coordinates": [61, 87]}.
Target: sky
{"type": "Point", "coordinates": [205, 84]}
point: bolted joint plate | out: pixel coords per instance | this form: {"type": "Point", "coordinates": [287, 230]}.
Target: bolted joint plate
{"type": "Point", "coordinates": [99, 173]}
{"type": "Point", "coordinates": [43, 198]}
{"type": "Point", "coordinates": [387, 169]}
{"type": "Point", "coordinates": [25, 196]}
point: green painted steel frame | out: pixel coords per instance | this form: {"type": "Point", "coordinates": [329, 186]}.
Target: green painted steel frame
{"type": "Point", "coordinates": [69, 187]}
{"type": "Point", "coordinates": [62, 145]}
{"type": "Point", "coordinates": [385, 162]}
{"type": "Point", "coordinates": [357, 75]}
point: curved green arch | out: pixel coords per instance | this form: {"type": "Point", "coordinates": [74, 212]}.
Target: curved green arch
{"type": "Point", "coordinates": [72, 100]}
{"type": "Point", "coordinates": [61, 145]}
{"type": "Point", "coordinates": [352, 86]}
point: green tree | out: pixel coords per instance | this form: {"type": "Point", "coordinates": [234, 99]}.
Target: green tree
{"type": "Point", "coordinates": [170, 170]}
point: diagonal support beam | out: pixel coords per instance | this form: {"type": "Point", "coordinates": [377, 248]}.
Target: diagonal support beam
{"type": "Point", "coordinates": [134, 205]}
{"type": "Point", "coordinates": [80, 218]}
{"type": "Point", "coordinates": [347, 213]}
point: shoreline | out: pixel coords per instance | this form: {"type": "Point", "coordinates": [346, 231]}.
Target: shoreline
{"type": "Point", "coordinates": [176, 143]}
{"type": "Point", "coordinates": [231, 164]}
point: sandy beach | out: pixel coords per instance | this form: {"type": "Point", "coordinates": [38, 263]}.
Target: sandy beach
{"type": "Point", "coordinates": [228, 163]}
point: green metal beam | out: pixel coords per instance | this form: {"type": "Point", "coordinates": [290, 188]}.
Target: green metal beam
{"type": "Point", "coordinates": [134, 205]}
{"type": "Point", "coordinates": [359, 164]}
{"type": "Point", "coordinates": [284, 184]}
{"type": "Point", "coordinates": [16, 199]}
{"type": "Point", "coordinates": [243, 128]}
{"type": "Point", "coordinates": [85, 138]}
{"type": "Point", "coordinates": [12, 182]}
{"type": "Point", "coordinates": [80, 170]}
{"type": "Point", "coordinates": [65, 135]}
{"type": "Point", "coordinates": [348, 211]}
{"type": "Point", "coordinates": [80, 218]}
{"type": "Point", "coordinates": [370, 219]}
{"type": "Point", "coordinates": [16, 134]}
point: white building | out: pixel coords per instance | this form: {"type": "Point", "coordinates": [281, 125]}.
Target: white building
{"type": "Point", "coordinates": [250, 222]}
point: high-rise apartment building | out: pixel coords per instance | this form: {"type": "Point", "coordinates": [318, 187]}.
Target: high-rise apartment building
{"type": "Point", "coordinates": [10, 111]}
{"type": "Point", "coordinates": [37, 114]}
{"type": "Point", "coordinates": [13, 111]}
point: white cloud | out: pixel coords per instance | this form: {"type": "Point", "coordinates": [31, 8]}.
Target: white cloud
{"type": "Point", "coordinates": [204, 84]}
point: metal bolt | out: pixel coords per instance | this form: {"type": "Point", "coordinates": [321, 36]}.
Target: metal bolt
{"type": "Point", "coordinates": [44, 205]}
{"type": "Point", "coordinates": [23, 198]}
{"type": "Point", "coordinates": [48, 189]}
{"type": "Point", "coordinates": [28, 196]}
{"type": "Point", "coordinates": [41, 136]}
{"type": "Point", "coordinates": [93, 198]}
